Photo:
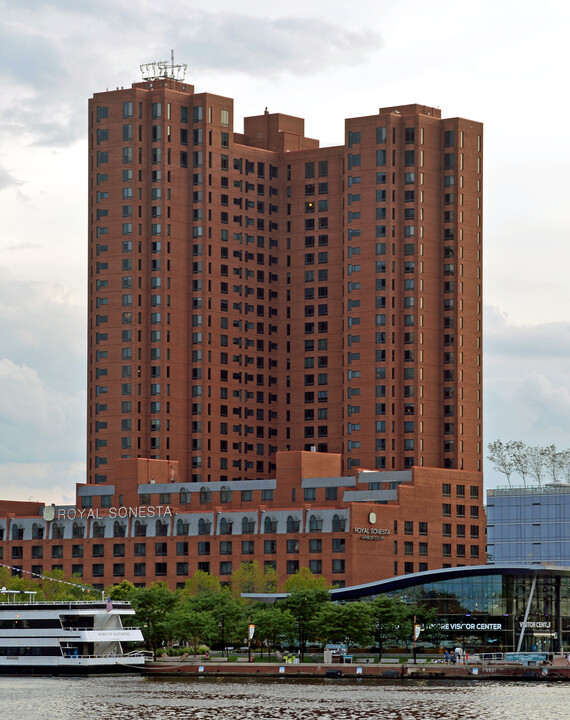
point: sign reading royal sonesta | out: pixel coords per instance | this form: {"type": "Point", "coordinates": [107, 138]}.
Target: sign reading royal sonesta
{"type": "Point", "coordinates": [371, 533]}
{"type": "Point", "coordinates": [144, 511]}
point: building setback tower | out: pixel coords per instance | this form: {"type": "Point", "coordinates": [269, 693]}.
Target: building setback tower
{"type": "Point", "coordinates": [252, 292]}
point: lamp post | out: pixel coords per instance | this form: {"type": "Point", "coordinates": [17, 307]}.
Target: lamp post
{"type": "Point", "coordinates": [467, 615]}
{"type": "Point", "coordinates": [221, 626]}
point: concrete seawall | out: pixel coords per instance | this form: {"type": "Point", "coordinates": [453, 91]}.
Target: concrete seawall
{"type": "Point", "coordinates": [403, 671]}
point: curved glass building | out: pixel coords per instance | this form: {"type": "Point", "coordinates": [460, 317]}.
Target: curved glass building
{"type": "Point", "coordinates": [487, 608]}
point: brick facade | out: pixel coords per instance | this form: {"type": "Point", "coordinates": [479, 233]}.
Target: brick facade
{"type": "Point", "coordinates": [148, 525]}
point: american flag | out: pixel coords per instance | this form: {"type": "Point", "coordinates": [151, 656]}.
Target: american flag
{"type": "Point", "coordinates": [108, 604]}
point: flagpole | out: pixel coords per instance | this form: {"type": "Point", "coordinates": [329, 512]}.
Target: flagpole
{"type": "Point", "coordinates": [415, 642]}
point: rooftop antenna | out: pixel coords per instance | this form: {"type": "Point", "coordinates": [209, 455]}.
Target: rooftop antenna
{"type": "Point", "coordinates": [160, 69]}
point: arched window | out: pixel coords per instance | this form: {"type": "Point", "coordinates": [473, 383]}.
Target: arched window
{"type": "Point", "coordinates": [247, 526]}
{"type": "Point", "coordinates": [315, 524]}
{"type": "Point", "coordinates": [225, 495]}
{"type": "Point", "coordinates": [184, 496]}
{"type": "Point", "coordinates": [225, 527]}
{"type": "Point", "coordinates": [292, 524]}
{"type": "Point", "coordinates": [338, 523]}
{"type": "Point", "coordinates": [98, 530]}
{"type": "Point", "coordinates": [78, 530]}
{"type": "Point", "coordinates": [204, 526]}
{"type": "Point", "coordinates": [17, 532]}
{"type": "Point", "coordinates": [269, 525]}
{"type": "Point", "coordinates": [161, 528]}
{"type": "Point", "coordinates": [205, 496]}
{"type": "Point", "coordinates": [140, 529]}
{"type": "Point", "coordinates": [182, 527]}
{"type": "Point", "coordinates": [56, 531]}
{"type": "Point", "coordinates": [119, 530]}
{"type": "Point", "coordinates": [37, 531]}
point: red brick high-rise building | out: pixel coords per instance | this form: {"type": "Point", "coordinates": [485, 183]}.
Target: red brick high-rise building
{"type": "Point", "coordinates": [252, 292]}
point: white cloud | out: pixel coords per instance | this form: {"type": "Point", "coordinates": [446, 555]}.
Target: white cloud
{"type": "Point", "coordinates": [527, 385]}
{"type": "Point", "coordinates": [42, 482]}
{"type": "Point", "coordinates": [42, 372]}
{"type": "Point", "coordinates": [501, 63]}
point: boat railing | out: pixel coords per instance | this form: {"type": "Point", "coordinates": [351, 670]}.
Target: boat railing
{"type": "Point", "coordinates": [140, 654]}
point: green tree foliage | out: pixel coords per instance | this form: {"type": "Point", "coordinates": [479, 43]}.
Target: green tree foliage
{"type": "Point", "coordinates": [391, 620]}
{"type": "Point", "coordinates": [304, 605]}
{"type": "Point", "coordinates": [123, 591]}
{"type": "Point", "coordinates": [193, 627]}
{"type": "Point", "coordinates": [154, 615]}
{"type": "Point", "coordinates": [52, 586]}
{"type": "Point", "coordinates": [305, 580]}
{"type": "Point", "coordinates": [201, 583]}
{"type": "Point", "coordinates": [351, 623]}
{"type": "Point", "coordinates": [273, 625]}
{"type": "Point", "coordinates": [250, 577]}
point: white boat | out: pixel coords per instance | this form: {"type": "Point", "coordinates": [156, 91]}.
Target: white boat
{"type": "Point", "coordinates": [53, 638]}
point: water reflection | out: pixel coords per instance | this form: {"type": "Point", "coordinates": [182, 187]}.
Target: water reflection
{"type": "Point", "coordinates": [134, 698]}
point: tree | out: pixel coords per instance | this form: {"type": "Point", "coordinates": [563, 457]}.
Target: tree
{"type": "Point", "coordinates": [518, 453]}
{"type": "Point", "coordinates": [228, 614]}
{"type": "Point", "coordinates": [391, 619]}
{"type": "Point", "coordinates": [552, 462]}
{"type": "Point", "coordinates": [201, 583]}
{"type": "Point", "coordinates": [499, 455]}
{"type": "Point", "coordinates": [304, 579]}
{"type": "Point", "coordinates": [123, 591]}
{"type": "Point", "coordinates": [194, 627]}
{"type": "Point", "coordinates": [154, 606]}
{"type": "Point", "coordinates": [250, 577]}
{"type": "Point", "coordinates": [536, 463]}
{"type": "Point", "coordinates": [304, 605]}
{"type": "Point", "coordinates": [272, 625]}
{"type": "Point", "coordinates": [56, 586]}
{"type": "Point", "coordinates": [351, 623]}
{"type": "Point", "coordinates": [565, 465]}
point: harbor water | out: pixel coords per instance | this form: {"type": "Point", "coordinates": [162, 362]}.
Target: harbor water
{"type": "Point", "coordinates": [138, 698]}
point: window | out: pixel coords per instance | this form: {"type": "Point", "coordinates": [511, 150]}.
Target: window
{"type": "Point", "coordinates": [292, 524]}
{"type": "Point", "coordinates": [270, 547]}
{"type": "Point", "coordinates": [338, 565]}
{"type": "Point", "coordinates": [331, 493]}
{"type": "Point", "coordinates": [292, 567]}
{"type": "Point", "coordinates": [247, 547]}
{"type": "Point", "coordinates": [269, 525]}
{"type": "Point", "coordinates": [316, 566]}
{"type": "Point", "coordinates": [338, 545]}
{"type": "Point", "coordinates": [338, 523]}
{"type": "Point", "coordinates": [293, 547]}
{"type": "Point", "coordinates": [315, 524]}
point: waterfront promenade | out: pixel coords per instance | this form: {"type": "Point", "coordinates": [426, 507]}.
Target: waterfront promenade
{"type": "Point", "coordinates": [558, 670]}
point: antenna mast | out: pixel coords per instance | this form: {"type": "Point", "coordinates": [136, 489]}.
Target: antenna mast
{"type": "Point", "coordinates": [161, 69]}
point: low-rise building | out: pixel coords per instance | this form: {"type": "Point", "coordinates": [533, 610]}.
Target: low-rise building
{"type": "Point", "coordinates": [150, 525]}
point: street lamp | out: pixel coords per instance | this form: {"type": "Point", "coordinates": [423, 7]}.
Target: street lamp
{"type": "Point", "coordinates": [467, 615]}
{"type": "Point", "coordinates": [221, 626]}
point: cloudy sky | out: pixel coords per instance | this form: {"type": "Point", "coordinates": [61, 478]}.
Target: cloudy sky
{"type": "Point", "coordinates": [503, 62]}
